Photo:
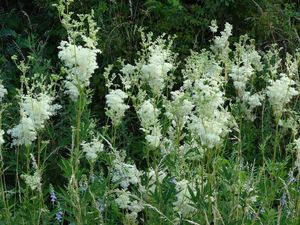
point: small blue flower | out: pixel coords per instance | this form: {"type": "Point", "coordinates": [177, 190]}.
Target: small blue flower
{"type": "Point", "coordinates": [283, 199]}
{"type": "Point", "coordinates": [251, 215]}
{"type": "Point", "coordinates": [53, 197]}
{"type": "Point", "coordinates": [262, 210]}
{"type": "Point", "coordinates": [58, 216]}
{"type": "Point", "coordinates": [173, 180]}
{"type": "Point", "coordinates": [101, 206]}
{"type": "Point", "coordinates": [291, 179]}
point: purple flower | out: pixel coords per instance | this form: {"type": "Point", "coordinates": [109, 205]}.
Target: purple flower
{"type": "Point", "coordinates": [53, 197]}
{"type": "Point", "coordinates": [283, 199]}
{"type": "Point", "coordinates": [59, 215]}
{"type": "Point", "coordinates": [291, 179]}
{"type": "Point", "coordinates": [101, 206]}
{"type": "Point", "coordinates": [173, 180]}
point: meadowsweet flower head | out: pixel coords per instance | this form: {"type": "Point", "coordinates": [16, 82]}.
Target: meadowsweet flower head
{"type": "Point", "coordinates": [240, 76]}
{"type": "Point", "coordinates": [251, 102]}
{"type": "Point", "coordinates": [213, 27]}
{"type": "Point", "coordinates": [3, 92]}
{"type": "Point", "coordinates": [148, 115]}
{"type": "Point", "coordinates": [221, 44]}
{"type": "Point", "coordinates": [39, 108]}
{"type": "Point", "coordinates": [1, 137]}
{"type": "Point", "coordinates": [33, 181]}
{"type": "Point", "coordinates": [116, 106]}
{"type": "Point", "coordinates": [125, 174]}
{"type": "Point", "coordinates": [209, 121]}
{"type": "Point", "coordinates": [179, 108]}
{"type": "Point", "coordinates": [183, 203]}
{"type": "Point", "coordinates": [154, 178]}
{"type": "Point", "coordinates": [156, 70]}
{"type": "Point", "coordinates": [24, 133]}
{"type": "Point", "coordinates": [280, 93]}
{"type": "Point", "coordinates": [123, 200]}
{"type": "Point", "coordinates": [80, 63]}
{"type": "Point", "coordinates": [297, 146]}
{"type": "Point", "coordinates": [92, 149]}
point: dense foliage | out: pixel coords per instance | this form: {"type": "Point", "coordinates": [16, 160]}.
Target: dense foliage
{"type": "Point", "coordinates": [149, 112]}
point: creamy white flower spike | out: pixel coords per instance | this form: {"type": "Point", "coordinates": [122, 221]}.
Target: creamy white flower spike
{"type": "Point", "coordinates": [24, 133]}
{"type": "Point", "coordinates": [33, 181]}
{"type": "Point", "coordinates": [124, 202]}
{"type": "Point", "coordinates": [183, 203]}
{"type": "Point", "coordinates": [154, 178]}
{"type": "Point", "coordinates": [150, 123]}
{"type": "Point", "coordinates": [39, 109]}
{"type": "Point", "coordinates": [125, 174]}
{"type": "Point", "coordinates": [155, 72]}
{"type": "Point", "coordinates": [35, 111]}
{"type": "Point", "coordinates": [280, 93]}
{"type": "Point", "coordinates": [1, 137]}
{"type": "Point", "coordinates": [92, 149]}
{"type": "Point", "coordinates": [81, 64]}
{"type": "Point", "coordinates": [297, 162]}
{"type": "Point", "coordinates": [116, 106]}
{"type": "Point", "coordinates": [221, 44]}
{"type": "Point", "coordinates": [3, 92]}
{"type": "Point", "coordinates": [209, 121]}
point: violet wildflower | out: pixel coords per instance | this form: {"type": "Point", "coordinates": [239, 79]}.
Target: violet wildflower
{"type": "Point", "coordinates": [59, 216]}
{"type": "Point", "coordinates": [283, 200]}
{"type": "Point", "coordinates": [101, 205]}
{"type": "Point", "coordinates": [53, 197]}
{"type": "Point", "coordinates": [173, 180]}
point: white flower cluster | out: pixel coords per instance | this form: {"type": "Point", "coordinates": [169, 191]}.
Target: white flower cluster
{"type": "Point", "coordinates": [244, 66]}
{"type": "Point", "coordinates": [3, 92]}
{"type": "Point", "coordinates": [210, 130]}
{"type": "Point", "coordinates": [280, 93]}
{"type": "Point", "coordinates": [221, 43]}
{"type": "Point", "coordinates": [39, 109]}
{"type": "Point", "coordinates": [209, 120]}
{"type": "Point", "coordinates": [125, 174]}
{"type": "Point", "coordinates": [214, 26]}
{"type": "Point", "coordinates": [182, 205]}
{"type": "Point", "coordinates": [92, 149]}
{"type": "Point", "coordinates": [155, 72]}
{"type": "Point", "coordinates": [1, 137]}
{"type": "Point", "coordinates": [124, 202]}
{"type": "Point", "coordinates": [33, 181]}
{"type": "Point", "coordinates": [24, 133]}
{"type": "Point", "coordinates": [148, 115]}
{"type": "Point", "coordinates": [35, 111]}
{"type": "Point", "coordinates": [297, 162]}
{"type": "Point", "coordinates": [179, 109]}
{"type": "Point", "coordinates": [116, 106]}
{"type": "Point", "coordinates": [240, 76]}
{"type": "Point", "coordinates": [252, 100]}
{"type": "Point", "coordinates": [81, 64]}
{"type": "Point", "coordinates": [155, 177]}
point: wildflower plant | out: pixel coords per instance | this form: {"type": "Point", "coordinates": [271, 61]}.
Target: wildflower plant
{"type": "Point", "coordinates": [211, 139]}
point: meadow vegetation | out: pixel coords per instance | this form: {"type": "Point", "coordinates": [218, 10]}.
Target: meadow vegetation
{"type": "Point", "coordinates": [166, 133]}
